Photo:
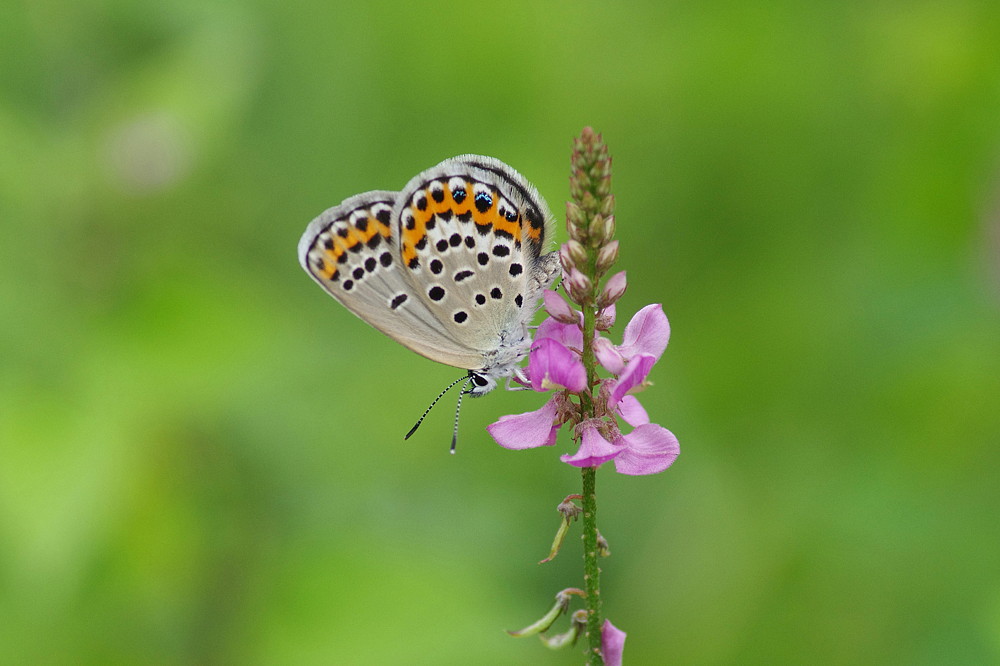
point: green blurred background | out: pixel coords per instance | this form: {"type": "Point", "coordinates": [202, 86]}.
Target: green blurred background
{"type": "Point", "coordinates": [201, 455]}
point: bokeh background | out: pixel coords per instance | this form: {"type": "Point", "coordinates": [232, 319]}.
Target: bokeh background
{"type": "Point", "coordinates": [201, 455]}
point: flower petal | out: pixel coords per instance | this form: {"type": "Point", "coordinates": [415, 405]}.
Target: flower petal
{"type": "Point", "coordinates": [632, 411]}
{"type": "Point", "coordinates": [528, 430]}
{"type": "Point", "coordinates": [648, 449]}
{"type": "Point", "coordinates": [558, 308]}
{"type": "Point", "coordinates": [608, 356]}
{"type": "Point", "coordinates": [594, 450]}
{"type": "Point", "coordinates": [612, 644]}
{"type": "Point", "coordinates": [552, 366]}
{"type": "Point", "coordinates": [569, 335]}
{"type": "Point", "coordinates": [614, 287]}
{"type": "Point", "coordinates": [635, 374]}
{"type": "Point", "coordinates": [647, 333]}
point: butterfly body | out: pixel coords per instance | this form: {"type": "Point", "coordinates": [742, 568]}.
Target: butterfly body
{"type": "Point", "coordinates": [452, 266]}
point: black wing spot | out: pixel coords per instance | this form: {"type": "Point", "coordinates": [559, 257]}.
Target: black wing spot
{"type": "Point", "coordinates": [461, 316]}
{"type": "Point", "coordinates": [435, 293]}
{"type": "Point", "coordinates": [397, 300]}
{"type": "Point", "coordinates": [515, 270]}
{"type": "Point", "coordinates": [496, 294]}
{"type": "Point", "coordinates": [436, 266]}
{"type": "Point", "coordinates": [484, 201]}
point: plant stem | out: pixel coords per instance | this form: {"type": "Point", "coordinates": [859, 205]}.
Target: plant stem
{"type": "Point", "coordinates": [591, 570]}
{"type": "Point", "coordinates": [590, 224]}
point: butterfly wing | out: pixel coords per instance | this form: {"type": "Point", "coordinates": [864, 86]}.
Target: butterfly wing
{"type": "Point", "coordinates": [353, 252]}
{"type": "Point", "coordinates": [472, 233]}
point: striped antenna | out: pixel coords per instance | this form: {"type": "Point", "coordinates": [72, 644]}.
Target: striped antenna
{"type": "Point", "coordinates": [431, 406]}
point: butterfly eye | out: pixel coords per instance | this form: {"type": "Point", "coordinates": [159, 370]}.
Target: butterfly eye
{"type": "Point", "coordinates": [479, 380]}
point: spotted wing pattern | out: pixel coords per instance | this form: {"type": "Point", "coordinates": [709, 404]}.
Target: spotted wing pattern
{"type": "Point", "coordinates": [353, 253]}
{"type": "Point", "coordinates": [451, 267]}
{"type": "Point", "coordinates": [472, 231]}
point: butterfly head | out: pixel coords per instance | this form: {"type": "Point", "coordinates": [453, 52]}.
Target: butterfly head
{"type": "Point", "coordinates": [481, 384]}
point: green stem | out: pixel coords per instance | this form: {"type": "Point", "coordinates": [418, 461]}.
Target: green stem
{"type": "Point", "coordinates": [591, 570]}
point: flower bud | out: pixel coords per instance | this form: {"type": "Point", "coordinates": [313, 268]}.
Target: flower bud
{"type": "Point", "coordinates": [579, 286]}
{"type": "Point", "coordinates": [613, 290]}
{"type": "Point", "coordinates": [595, 228]}
{"type": "Point", "coordinates": [603, 188]}
{"type": "Point", "coordinates": [606, 257]}
{"type": "Point", "coordinates": [574, 215]}
{"type": "Point", "coordinates": [608, 232]}
{"type": "Point", "coordinates": [566, 259]}
{"type": "Point", "coordinates": [558, 308]}
{"type": "Point", "coordinates": [577, 252]}
{"type": "Point", "coordinates": [608, 205]}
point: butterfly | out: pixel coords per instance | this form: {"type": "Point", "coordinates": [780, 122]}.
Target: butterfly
{"type": "Point", "coordinates": [451, 267]}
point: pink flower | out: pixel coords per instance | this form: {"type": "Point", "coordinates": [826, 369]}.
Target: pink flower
{"type": "Point", "coordinates": [594, 449]}
{"type": "Point", "coordinates": [647, 333]}
{"type": "Point", "coordinates": [612, 644]}
{"type": "Point", "coordinates": [648, 449]}
{"type": "Point", "coordinates": [555, 364]}
{"type": "Point", "coordinates": [528, 430]}
{"type": "Point", "coordinates": [552, 366]}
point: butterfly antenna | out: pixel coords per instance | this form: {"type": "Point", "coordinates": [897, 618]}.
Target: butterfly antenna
{"type": "Point", "coordinates": [431, 406]}
{"type": "Point", "coordinates": [458, 408]}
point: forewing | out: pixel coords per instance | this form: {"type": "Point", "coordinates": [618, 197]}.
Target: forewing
{"type": "Point", "coordinates": [472, 235]}
{"type": "Point", "coordinates": [353, 252]}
